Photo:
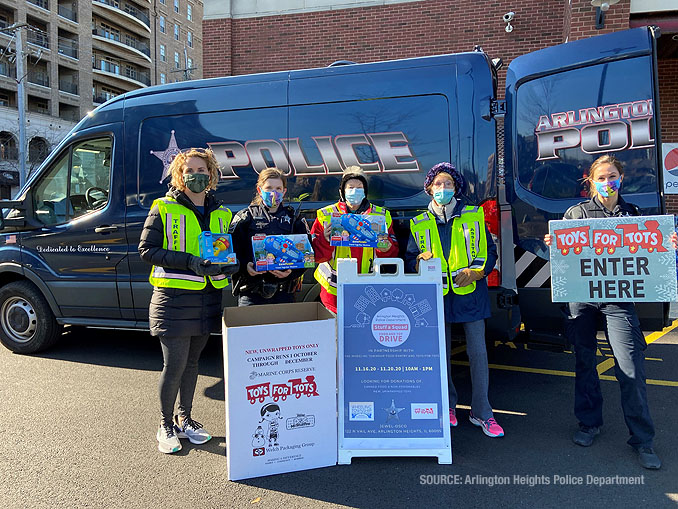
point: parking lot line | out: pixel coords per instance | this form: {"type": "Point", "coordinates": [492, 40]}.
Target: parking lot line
{"type": "Point", "coordinates": [656, 335]}
{"type": "Point", "coordinates": [555, 372]}
{"type": "Point", "coordinates": [605, 365]}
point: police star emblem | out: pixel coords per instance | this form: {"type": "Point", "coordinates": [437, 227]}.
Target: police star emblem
{"type": "Point", "coordinates": [167, 155]}
{"type": "Point", "coordinates": [393, 411]}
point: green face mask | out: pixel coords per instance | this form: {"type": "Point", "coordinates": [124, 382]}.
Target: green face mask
{"type": "Point", "coordinates": [196, 182]}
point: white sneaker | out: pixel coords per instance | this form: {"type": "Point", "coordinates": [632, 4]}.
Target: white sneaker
{"type": "Point", "coordinates": [167, 439]}
{"type": "Point", "coordinates": [192, 430]}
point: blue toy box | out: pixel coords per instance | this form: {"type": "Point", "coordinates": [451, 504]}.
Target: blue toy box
{"type": "Point", "coordinates": [282, 252]}
{"type": "Point", "coordinates": [358, 230]}
{"type": "Point", "coordinates": [217, 248]}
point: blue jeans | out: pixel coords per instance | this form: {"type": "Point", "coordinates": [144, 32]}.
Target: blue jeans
{"type": "Point", "coordinates": [480, 373]}
{"type": "Point", "coordinates": [628, 346]}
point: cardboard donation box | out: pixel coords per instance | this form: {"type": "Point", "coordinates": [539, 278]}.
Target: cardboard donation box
{"type": "Point", "coordinates": [280, 384]}
{"type": "Point", "coordinates": [358, 230]}
{"type": "Point", "coordinates": [282, 252]}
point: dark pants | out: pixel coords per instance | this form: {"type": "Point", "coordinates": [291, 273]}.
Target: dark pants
{"type": "Point", "coordinates": [253, 299]}
{"type": "Point", "coordinates": [628, 346]}
{"type": "Point", "coordinates": [179, 373]}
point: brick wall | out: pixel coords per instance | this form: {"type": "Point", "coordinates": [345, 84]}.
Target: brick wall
{"type": "Point", "coordinates": [668, 93]}
{"type": "Point", "coordinates": [316, 39]}
{"type": "Point", "coordinates": [582, 19]}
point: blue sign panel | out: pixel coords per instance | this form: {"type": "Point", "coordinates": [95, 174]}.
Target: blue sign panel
{"type": "Point", "coordinates": [619, 259]}
{"type": "Point", "coordinates": [392, 366]}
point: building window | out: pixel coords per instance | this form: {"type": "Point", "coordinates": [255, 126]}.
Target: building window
{"type": "Point", "coordinates": [110, 32]}
{"type": "Point", "coordinates": [176, 32]}
{"type": "Point", "coordinates": [163, 78]}
{"type": "Point", "coordinates": [162, 2]}
{"type": "Point", "coordinates": [163, 56]}
{"type": "Point", "coordinates": [176, 60]}
{"type": "Point", "coordinates": [4, 100]}
{"type": "Point", "coordinates": [189, 39]}
{"type": "Point", "coordinates": [189, 12]}
{"type": "Point", "coordinates": [176, 5]}
{"type": "Point", "coordinates": [162, 24]}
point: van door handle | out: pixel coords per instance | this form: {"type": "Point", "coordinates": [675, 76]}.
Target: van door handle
{"type": "Point", "coordinates": [105, 229]}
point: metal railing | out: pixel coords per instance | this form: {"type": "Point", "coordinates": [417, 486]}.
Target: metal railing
{"type": "Point", "coordinates": [68, 86]}
{"type": "Point", "coordinates": [68, 49]}
{"type": "Point", "coordinates": [40, 3]}
{"type": "Point", "coordinates": [113, 68]}
{"type": "Point", "coordinates": [38, 38]}
{"type": "Point", "coordinates": [129, 9]}
{"type": "Point", "coordinates": [138, 45]}
{"type": "Point", "coordinates": [8, 70]}
{"type": "Point", "coordinates": [38, 78]}
{"type": "Point", "coordinates": [67, 13]}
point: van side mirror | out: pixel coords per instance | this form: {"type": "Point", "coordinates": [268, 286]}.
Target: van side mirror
{"type": "Point", "coordinates": [16, 221]}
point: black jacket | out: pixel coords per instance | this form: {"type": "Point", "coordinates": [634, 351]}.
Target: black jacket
{"type": "Point", "coordinates": [253, 220]}
{"type": "Point", "coordinates": [176, 312]}
{"type": "Point", "coordinates": [593, 209]}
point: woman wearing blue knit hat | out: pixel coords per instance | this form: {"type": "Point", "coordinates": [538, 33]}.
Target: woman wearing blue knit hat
{"type": "Point", "coordinates": [456, 233]}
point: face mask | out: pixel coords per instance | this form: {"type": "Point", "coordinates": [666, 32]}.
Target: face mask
{"type": "Point", "coordinates": [354, 196]}
{"type": "Point", "coordinates": [196, 182]}
{"type": "Point", "coordinates": [443, 196]}
{"type": "Point", "coordinates": [607, 189]}
{"type": "Point", "coordinates": [271, 198]}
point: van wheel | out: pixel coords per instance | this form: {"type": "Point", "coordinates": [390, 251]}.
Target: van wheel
{"type": "Point", "coordinates": [27, 324]}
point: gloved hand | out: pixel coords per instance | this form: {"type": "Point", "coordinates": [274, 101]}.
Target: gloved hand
{"type": "Point", "coordinates": [203, 267]}
{"type": "Point", "coordinates": [229, 270]}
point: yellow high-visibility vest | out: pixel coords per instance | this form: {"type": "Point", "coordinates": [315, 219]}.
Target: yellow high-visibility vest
{"type": "Point", "coordinates": [326, 272]}
{"type": "Point", "coordinates": [182, 232]}
{"type": "Point", "coordinates": [468, 249]}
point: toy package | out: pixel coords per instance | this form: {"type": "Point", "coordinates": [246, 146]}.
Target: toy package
{"type": "Point", "coordinates": [282, 252]}
{"type": "Point", "coordinates": [357, 230]}
{"type": "Point", "coordinates": [217, 248]}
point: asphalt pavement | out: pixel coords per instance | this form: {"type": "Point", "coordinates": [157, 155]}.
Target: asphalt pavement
{"type": "Point", "coordinates": [79, 422]}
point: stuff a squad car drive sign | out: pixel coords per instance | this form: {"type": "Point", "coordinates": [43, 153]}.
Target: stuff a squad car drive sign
{"type": "Point", "coordinates": [620, 259]}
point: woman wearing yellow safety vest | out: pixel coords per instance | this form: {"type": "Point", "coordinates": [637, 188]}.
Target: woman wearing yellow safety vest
{"type": "Point", "coordinates": [456, 233]}
{"type": "Point", "coordinates": [186, 303]}
{"type": "Point", "coordinates": [352, 199]}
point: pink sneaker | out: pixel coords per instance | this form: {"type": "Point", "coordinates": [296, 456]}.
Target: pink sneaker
{"type": "Point", "coordinates": [453, 417]}
{"type": "Point", "coordinates": [490, 426]}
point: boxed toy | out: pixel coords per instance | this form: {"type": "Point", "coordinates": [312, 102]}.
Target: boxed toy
{"type": "Point", "coordinates": [282, 252]}
{"type": "Point", "coordinates": [357, 230]}
{"type": "Point", "coordinates": [217, 248]}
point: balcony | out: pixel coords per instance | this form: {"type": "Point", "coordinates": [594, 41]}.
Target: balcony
{"type": "Point", "coordinates": [38, 78]}
{"type": "Point", "coordinates": [38, 38]}
{"type": "Point", "coordinates": [7, 70]}
{"type": "Point", "coordinates": [137, 46]}
{"type": "Point", "coordinates": [129, 9]}
{"type": "Point", "coordinates": [67, 13]}
{"type": "Point", "coordinates": [68, 86]}
{"type": "Point", "coordinates": [40, 3]}
{"type": "Point", "coordinates": [68, 48]}
{"type": "Point", "coordinates": [130, 75]}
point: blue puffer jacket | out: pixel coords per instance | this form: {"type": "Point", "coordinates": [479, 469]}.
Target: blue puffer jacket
{"type": "Point", "coordinates": [458, 308]}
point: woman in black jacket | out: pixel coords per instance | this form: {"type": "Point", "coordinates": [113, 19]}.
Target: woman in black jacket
{"type": "Point", "coordinates": [186, 303]}
{"type": "Point", "coordinates": [265, 215]}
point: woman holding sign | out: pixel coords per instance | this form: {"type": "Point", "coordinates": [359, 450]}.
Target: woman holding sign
{"type": "Point", "coordinates": [622, 330]}
{"type": "Point", "coordinates": [265, 215]}
{"type": "Point", "coordinates": [353, 200]}
{"type": "Point", "coordinates": [456, 233]}
{"type": "Point", "coordinates": [186, 303]}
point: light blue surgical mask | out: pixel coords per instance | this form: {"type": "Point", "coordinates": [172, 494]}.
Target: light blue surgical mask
{"type": "Point", "coordinates": [355, 195]}
{"type": "Point", "coordinates": [609, 188]}
{"type": "Point", "coordinates": [271, 198]}
{"type": "Point", "coordinates": [443, 196]}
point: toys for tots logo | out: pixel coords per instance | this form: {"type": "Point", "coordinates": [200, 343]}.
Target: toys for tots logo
{"type": "Point", "coordinates": [391, 327]}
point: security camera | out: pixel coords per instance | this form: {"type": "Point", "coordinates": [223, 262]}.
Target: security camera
{"type": "Point", "coordinates": [508, 17]}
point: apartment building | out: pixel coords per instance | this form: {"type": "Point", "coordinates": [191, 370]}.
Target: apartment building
{"type": "Point", "coordinates": [80, 53]}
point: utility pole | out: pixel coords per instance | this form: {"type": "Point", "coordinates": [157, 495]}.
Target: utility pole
{"type": "Point", "coordinates": [186, 70]}
{"type": "Point", "coordinates": [17, 29]}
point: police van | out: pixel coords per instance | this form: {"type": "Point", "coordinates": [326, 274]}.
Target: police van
{"type": "Point", "coordinates": [68, 244]}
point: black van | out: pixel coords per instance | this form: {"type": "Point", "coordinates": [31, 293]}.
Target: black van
{"type": "Point", "coordinates": [68, 246]}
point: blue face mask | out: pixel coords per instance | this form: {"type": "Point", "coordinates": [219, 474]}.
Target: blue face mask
{"type": "Point", "coordinates": [607, 189]}
{"type": "Point", "coordinates": [271, 198]}
{"type": "Point", "coordinates": [354, 196]}
{"type": "Point", "coordinates": [443, 196]}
